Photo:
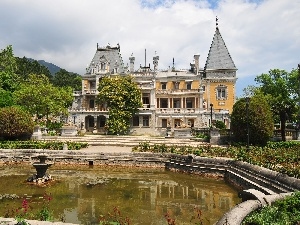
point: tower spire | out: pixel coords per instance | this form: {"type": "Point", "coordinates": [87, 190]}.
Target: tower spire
{"type": "Point", "coordinates": [217, 21]}
{"type": "Point", "coordinates": [145, 57]}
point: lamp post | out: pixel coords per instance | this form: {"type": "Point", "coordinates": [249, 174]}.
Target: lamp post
{"type": "Point", "coordinates": [247, 115]}
{"type": "Point", "coordinates": [211, 110]}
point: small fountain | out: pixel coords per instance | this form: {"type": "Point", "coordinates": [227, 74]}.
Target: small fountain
{"type": "Point", "coordinates": [41, 167]}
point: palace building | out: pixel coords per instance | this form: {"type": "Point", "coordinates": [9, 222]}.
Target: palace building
{"type": "Point", "coordinates": [171, 98]}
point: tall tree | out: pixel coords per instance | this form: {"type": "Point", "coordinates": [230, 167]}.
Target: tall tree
{"type": "Point", "coordinates": [257, 122]}
{"type": "Point", "coordinates": [64, 78]}
{"type": "Point", "coordinates": [277, 86]}
{"type": "Point", "coordinates": [28, 66]}
{"type": "Point", "coordinates": [41, 98]}
{"type": "Point", "coordinates": [8, 67]}
{"type": "Point", "coordinates": [123, 98]}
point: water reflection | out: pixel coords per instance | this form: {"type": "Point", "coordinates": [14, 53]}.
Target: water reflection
{"type": "Point", "coordinates": [82, 194]}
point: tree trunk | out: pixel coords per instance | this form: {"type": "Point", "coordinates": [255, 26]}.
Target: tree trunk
{"type": "Point", "coordinates": [282, 125]}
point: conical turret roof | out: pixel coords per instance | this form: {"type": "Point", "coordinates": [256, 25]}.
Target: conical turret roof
{"type": "Point", "coordinates": [218, 57]}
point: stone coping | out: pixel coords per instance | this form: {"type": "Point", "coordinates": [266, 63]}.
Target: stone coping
{"type": "Point", "coordinates": [241, 174]}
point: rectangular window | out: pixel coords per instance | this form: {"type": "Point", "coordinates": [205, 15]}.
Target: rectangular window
{"type": "Point", "coordinates": [163, 86]}
{"type": "Point", "coordinates": [92, 103]}
{"type": "Point", "coordinates": [163, 103]}
{"type": "Point", "coordinates": [145, 121]}
{"type": "Point", "coordinates": [221, 93]}
{"type": "Point", "coordinates": [176, 103]}
{"type": "Point", "coordinates": [189, 86]}
{"type": "Point", "coordinates": [93, 85]}
{"type": "Point", "coordinates": [135, 121]}
{"type": "Point", "coordinates": [203, 88]}
{"type": "Point", "coordinates": [189, 103]}
{"type": "Point", "coordinates": [91, 121]}
{"type": "Point", "coordinates": [146, 98]}
{"type": "Point", "coordinates": [176, 85]}
{"type": "Point", "coordinates": [164, 123]}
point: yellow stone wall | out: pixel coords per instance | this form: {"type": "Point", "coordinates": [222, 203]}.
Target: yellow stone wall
{"type": "Point", "coordinates": [85, 84]}
{"type": "Point", "coordinates": [211, 96]}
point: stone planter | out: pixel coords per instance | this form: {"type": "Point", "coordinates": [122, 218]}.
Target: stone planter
{"type": "Point", "coordinates": [68, 131]}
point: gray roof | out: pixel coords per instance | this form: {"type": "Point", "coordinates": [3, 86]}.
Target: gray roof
{"type": "Point", "coordinates": [218, 57]}
{"type": "Point", "coordinates": [109, 55]}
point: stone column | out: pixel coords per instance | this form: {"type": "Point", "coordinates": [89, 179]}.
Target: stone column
{"type": "Point", "coordinates": [95, 125]}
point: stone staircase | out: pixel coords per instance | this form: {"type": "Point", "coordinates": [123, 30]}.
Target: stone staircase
{"type": "Point", "coordinates": [129, 141]}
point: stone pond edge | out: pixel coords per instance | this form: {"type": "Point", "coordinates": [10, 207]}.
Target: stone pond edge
{"type": "Point", "coordinates": [259, 186]}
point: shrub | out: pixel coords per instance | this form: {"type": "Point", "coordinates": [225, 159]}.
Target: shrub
{"type": "Point", "coordinates": [284, 211]}
{"type": "Point", "coordinates": [15, 124]}
{"type": "Point", "coordinates": [220, 124]}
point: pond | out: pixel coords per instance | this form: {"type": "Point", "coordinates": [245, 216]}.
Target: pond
{"type": "Point", "coordinates": [81, 194]}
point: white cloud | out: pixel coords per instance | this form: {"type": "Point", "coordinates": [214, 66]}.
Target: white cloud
{"type": "Point", "coordinates": [260, 35]}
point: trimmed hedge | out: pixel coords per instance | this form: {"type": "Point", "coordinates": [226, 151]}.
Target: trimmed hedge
{"type": "Point", "coordinates": [51, 145]}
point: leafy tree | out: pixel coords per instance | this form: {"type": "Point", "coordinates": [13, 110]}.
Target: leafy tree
{"type": "Point", "coordinates": [39, 97]}
{"type": "Point", "coordinates": [281, 95]}
{"type": "Point", "coordinates": [15, 123]}
{"type": "Point", "coordinates": [64, 78]}
{"type": "Point", "coordinates": [28, 66]}
{"type": "Point", "coordinates": [123, 98]}
{"type": "Point", "coordinates": [220, 124]}
{"type": "Point", "coordinates": [6, 98]}
{"type": "Point", "coordinates": [259, 120]}
{"type": "Point", "coordinates": [295, 91]}
{"type": "Point", "coordinates": [8, 67]}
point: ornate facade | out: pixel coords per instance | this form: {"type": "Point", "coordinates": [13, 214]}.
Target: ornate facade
{"type": "Point", "coordinates": [172, 98]}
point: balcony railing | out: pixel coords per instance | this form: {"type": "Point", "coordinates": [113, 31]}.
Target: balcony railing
{"type": "Point", "coordinates": [77, 93]}
{"type": "Point", "coordinates": [90, 91]}
{"type": "Point", "coordinates": [88, 110]}
{"type": "Point", "coordinates": [177, 91]}
{"type": "Point", "coordinates": [177, 111]}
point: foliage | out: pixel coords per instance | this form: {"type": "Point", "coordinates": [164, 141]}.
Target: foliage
{"type": "Point", "coordinates": [64, 78]}
{"type": "Point", "coordinates": [54, 126]}
{"type": "Point", "coordinates": [282, 97]}
{"type": "Point", "coordinates": [259, 120]}
{"type": "Point", "coordinates": [15, 124]}
{"type": "Point", "coordinates": [282, 212]}
{"type": "Point", "coordinates": [26, 66]}
{"type": "Point", "coordinates": [26, 211]}
{"type": "Point", "coordinates": [203, 136]}
{"type": "Point", "coordinates": [283, 158]}
{"type": "Point", "coordinates": [114, 218]}
{"type": "Point", "coordinates": [41, 98]}
{"type": "Point", "coordinates": [8, 67]}
{"type": "Point", "coordinates": [6, 98]}
{"type": "Point", "coordinates": [123, 98]}
{"type": "Point", "coordinates": [220, 125]}
{"type": "Point", "coordinates": [51, 145]}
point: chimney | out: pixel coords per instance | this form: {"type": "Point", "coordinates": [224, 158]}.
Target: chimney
{"type": "Point", "coordinates": [196, 58]}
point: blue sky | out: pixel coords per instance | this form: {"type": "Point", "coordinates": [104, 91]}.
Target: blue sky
{"type": "Point", "coordinates": [260, 34]}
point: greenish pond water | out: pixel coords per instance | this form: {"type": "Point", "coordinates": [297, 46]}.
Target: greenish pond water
{"type": "Point", "coordinates": [81, 194]}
